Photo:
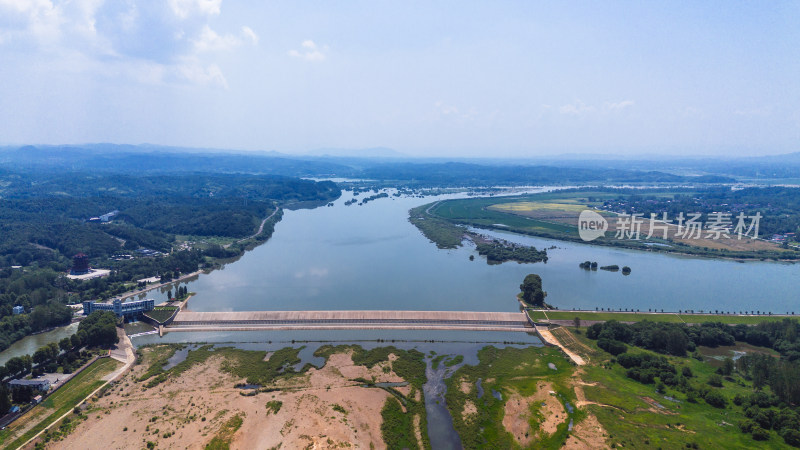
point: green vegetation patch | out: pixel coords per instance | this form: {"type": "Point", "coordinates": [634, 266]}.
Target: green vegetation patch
{"type": "Point", "coordinates": [273, 406]}
{"type": "Point", "coordinates": [222, 440]}
{"type": "Point", "coordinates": [409, 365]}
{"type": "Point", "coordinates": [398, 425]}
{"type": "Point", "coordinates": [441, 232]}
{"type": "Point", "coordinates": [161, 313]}
{"type": "Point", "coordinates": [241, 363]}
{"type": "Point", "coordinates": [507, 371]}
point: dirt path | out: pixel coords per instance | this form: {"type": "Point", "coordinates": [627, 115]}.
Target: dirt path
{"type": "Point", "coordinates": [550, 339]}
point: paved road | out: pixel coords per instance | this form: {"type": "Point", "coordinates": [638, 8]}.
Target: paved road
{"type": "Point", "coordinates": [260, 228]}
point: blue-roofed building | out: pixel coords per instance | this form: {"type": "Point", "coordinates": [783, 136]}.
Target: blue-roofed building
{"type": "Point", "coordinates": [126, 309]}
{"type": "Point", "coordinates": [17, 310]}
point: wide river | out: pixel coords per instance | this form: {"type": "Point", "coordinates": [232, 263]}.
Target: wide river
{"type": "Point", "coordinates": [370, 257]}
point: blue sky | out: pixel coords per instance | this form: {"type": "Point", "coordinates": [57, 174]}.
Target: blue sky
{"type": "Point", "coordinates": [445, 78]}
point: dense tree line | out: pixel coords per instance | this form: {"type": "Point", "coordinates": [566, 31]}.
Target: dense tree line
{"type": "Point", "coordinates": [677, 339]}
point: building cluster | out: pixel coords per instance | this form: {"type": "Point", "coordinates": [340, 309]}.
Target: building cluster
{"type": "Point", "coordinates": [785, 237]}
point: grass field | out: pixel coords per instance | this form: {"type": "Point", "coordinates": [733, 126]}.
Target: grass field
{"type": "Point", "coordinates": [653, 317]}
{"type": "Point", "coordinates": [59, 403]}
{"type": "Point", "coordinates": [161, 313]}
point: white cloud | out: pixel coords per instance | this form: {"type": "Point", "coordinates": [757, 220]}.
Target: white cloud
{"type": "Point", "coordinates": [185, 8]}
{"type": "Point", "coordinates": [37, 19]}
{"type": "Point", "coordinates": [617, 106]}
{"type": "Point", "coordinates": [576, 108]}
{"type": "Point", "coordinates": [195, 73]}
{"type": "Point", "coordinates": [153, 41]}
{"type": "Point", "coordinates": [248, 33]}
{"type": "Point", "coordinates": [210, 40]}
{"type": "Point", "coordinates": [309, 52]}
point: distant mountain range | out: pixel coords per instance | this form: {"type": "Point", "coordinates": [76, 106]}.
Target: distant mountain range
{"type": "Point", "coordinates": [388, 164]}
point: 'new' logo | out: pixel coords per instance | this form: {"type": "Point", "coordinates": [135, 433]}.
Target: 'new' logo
{"type": "Point", "coordinates": [591, 225]}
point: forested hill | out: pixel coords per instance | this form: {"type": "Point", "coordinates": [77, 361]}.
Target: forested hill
{"type": "Point", "coordinates": [108, 158]}
{"type": "Point", "coordinates": [196, 185]}
{"type": "Point", "coordinates": [44, 217]}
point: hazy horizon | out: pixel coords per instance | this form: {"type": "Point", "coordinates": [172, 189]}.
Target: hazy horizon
{"type": "Point", "coordinates": [449, 80]}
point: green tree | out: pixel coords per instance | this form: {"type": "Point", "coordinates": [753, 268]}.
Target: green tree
{"type": "Point", "coordinates": [532, 292]}
{"type": "Point", "coordinates": [727, 366]}
{"type": "Point", "coordinates": [100, 328]}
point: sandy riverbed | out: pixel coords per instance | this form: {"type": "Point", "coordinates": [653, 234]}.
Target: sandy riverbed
{"type": "Point", "coordinates": [188, 411]}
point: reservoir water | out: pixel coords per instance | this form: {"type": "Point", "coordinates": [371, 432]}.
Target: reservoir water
{"type": "Point", "coordinates": [370, 257]}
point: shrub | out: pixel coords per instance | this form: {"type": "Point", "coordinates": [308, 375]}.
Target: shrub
{"type": "Point", "coordinates": [612, 346]}
{"type": "Point", "coordinates": [747, 425]}
{"type": "Point", "coordinates": [715, 380]}
{"type": "Point", "coordinates": [715, 399]}
{"type": "Point", "coordinates": [629, 360]}
{"type": "Point", "coordinates": [760, 434]}
{"type": "Point", "coordinates": [791, 437]}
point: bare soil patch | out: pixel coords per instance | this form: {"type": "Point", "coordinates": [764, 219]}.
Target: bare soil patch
{"type": "Point", "coordinates": [189, 410]}
{"type": "Point", "coordinates": [518, 416]}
